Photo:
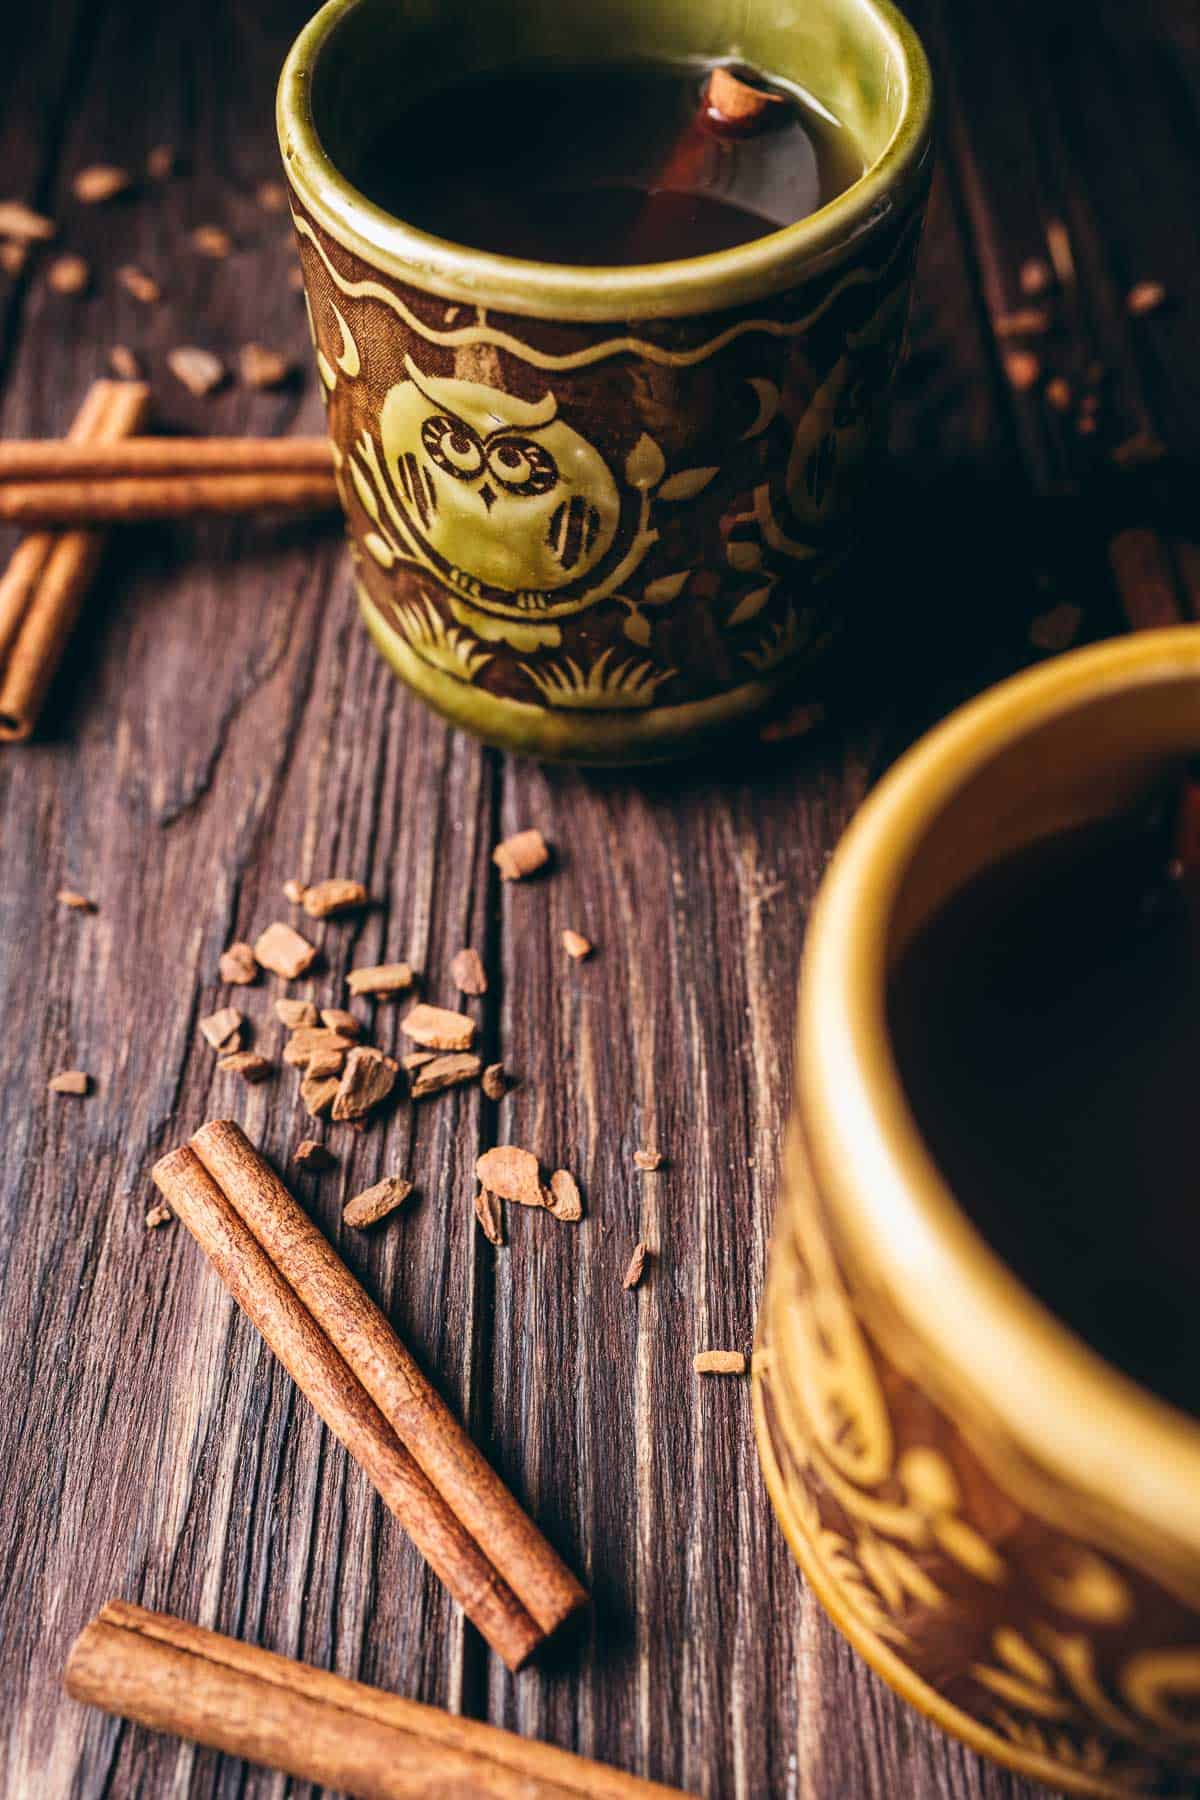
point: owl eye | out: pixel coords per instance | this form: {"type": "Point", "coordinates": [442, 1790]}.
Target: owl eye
{"type": "Point", "coordinates": [453, 446]}
{"type": "Point", "coordinates": [522, 466]}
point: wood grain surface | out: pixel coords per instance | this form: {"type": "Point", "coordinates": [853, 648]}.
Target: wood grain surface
{"type": "Point", "coordinates": [221, 725]}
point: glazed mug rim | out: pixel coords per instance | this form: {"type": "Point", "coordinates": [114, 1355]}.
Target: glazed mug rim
{"type": "Point", "coordinates": [577, 291]}
{"type": "Point", "coordinates": [974, 1320]}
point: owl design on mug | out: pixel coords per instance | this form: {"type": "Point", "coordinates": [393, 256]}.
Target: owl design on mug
{"type": "Point", "coordinates": [500, 498]}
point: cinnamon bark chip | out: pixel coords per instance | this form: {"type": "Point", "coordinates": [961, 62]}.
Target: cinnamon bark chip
{"type": "Point", "coordinates": [1036, 277]}
{"type": "Point", "coordinates": [309, 1154]}
{"type": "Point", "coordinates": [212, 240]}
{"type": "Point", "coordinates": [124, 364]}
{"type": "Point", "coordinates": [76, 902]}
{"type": "Point", "coordinates": [467, 972]}
{"type": "Point", "coordinates": [1144, 297]}
{"type": "Point", "coordinates": [647, 1160]}
{"type": "Point", "coordinates": [494, 1083]}
{"type": "Point", "coordinates": [160, 164]}
{"type": "Point", "coordinates": [381, 980]}
{"type": "Point", "coordinates": [237, 966]}
{"type": "Point", "coordinates": [158, 1215]}
{"type": "Point", "coordinates": [1023, 370]}
{"type": "Point", "coordinates": [70, 1081]}
{"type": "Point", "coordinates": [102, 181]}
{"type": "Point", "coordinates": [520, 855]}
{"type": "Point", "coordinates": [1025, 321]}
{"type": "Point", "coordinates": [284, 951]}
{"type": "Point", "coordinates": [135, 281]}
{"type": "Point", "coordinates": [69, 274]}
{"type": "Point", "coordinates": [324, 899]}
{"type": "Point", "coordinates": [576, 945]}
{"type": "Point", "coordinates": [309, 1040]}
{"type": "Point", "coordinates": [199, 370]}
{"type": "Point", "coordinates": [223, 1028]}
{"type": "Point", "coordinates": [444, 1072]}
{"type": "Point", "coordinates": [246, 1063]}
{"type": "Point", "coordinates": [338, 1019]}
{"type": "Point", "coordinates": [318, 1093]}
{"type": "Point", "coordinates": [263, 368]}
{"type": "Point", "coordinates": [513, 1174]}
{"type": "Point", "coordinates": [22, 223]}
{"type": "Point", "coordinates": [416, 1059]}
{"type": "Point", "coordinates": [295, 1014]}
{"type": "Point", "coordinates": [326, 1062]}
{"type": "Point", "coordinates": [637, 1266]}
{"type": "Point", "coordinates": [487, 1211]}
{"type": "Point", "coordinates": [368, 1079]}
{"type": "Point", "coordinates": [719, 1362]}
{"type": "Point", "coordinates": [437, 1028]}
{"type": "Point", "coordinates": [564, 1202]}
{"type": "Point", "coordinates": [375, 1203]}
{"type": "Point", "coordinates": [734, 105]}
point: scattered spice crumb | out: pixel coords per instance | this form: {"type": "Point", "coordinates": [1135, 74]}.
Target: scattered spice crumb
{"type": "Point", "coordinates": [564, 1201]}
{"type": "Point", "coordinates": [312, 1155]}
{"type": "Point", "coordinates": [21, 222]}
{"type": "Point", "coordinates": [637, 1266]}
{"type": "Point", "coordinates": [69, 274]}
{"type": "Point", "coordinates": [158, 1215]}
{"type": "Point", "coordinates": [443, 1072]}
{"type": "Point", "coordinates": [100, 182]}
{"type": "Point", "coordinates": [310, 1040]}
{"type": "Point", "coordinates": [368, 1079]}
{"type": "Point", "coordinates": [494, 1083]}
{"type": "Point", "coordinates": [1036, 276]}
{"type": "Point", "coordinates": [513, 1174]}
{"type": "Point", "coordinates": [223, 1028]}
{"type": "Point", "coordinates": [1023, 369]}
{"type": "Point", "coordinates": [13, 258]}
{"type": "Point", "coordinates": [467, 972]}
{"type": "Point", "coordinates": [1025, 321]}
{"type": "Point", "coordinates": [76, 902]}
{"type": "Point", "coordinates": [263, 368]}
{"type": "Point", "coordinates": [123, 363]}
{"type": "Point", "coordinates": [318, 1093]}
{"type": "Point", "coordinates": [380, 980]}
{"type": "Point", "coordinates": [375, 1203]}
{"type": "Point", "coordinates": [271, 196]}
{"type": "Point", "coordinates": [1144, 297]}
{"type": "Point", "coordinates": [284, 951]}
{"type": "Point", "coordinates": [325, 899]}
{"type": "Point", "coordinates": [437, 1028]}
{"type": "Point", "coordinates": [1058, 394]}
{"type": "Point", "coordinates": [487, 1211]}
{"type": "Point", "coordinates": [212, 240]}
{"type": "Point", "coordinates": [648, 1160]}
{"type": "Point", "coordinates": [70, 1081]}
{"type": "Point", "coordinates": [338, 1019]}
{"type": "Point", "coordinates": [521, 855]}
{"type": "Point", "coordinates": [719, 1362]}
{"type": "Point", "coordinates": [238, 966]}
{"type": "Point", "coordinates": [325, 1062]}
{"type": "Point", "coordinates": [199, 370]}
{"type": "Point", "coordinates": [135, 281]}
{"type": "Point", "coordinates": [576, 945]}
{"type": "Point", "coordinates": [293, 890]}
{"type": "Point", "coordinates": [1056, 629]}
{"type": "Point", "coordinates": [246, 1063]}
{"type": "Point", "coordinates": [161, 162]}
{"type": "Point", "coordinates": [295, 1013]}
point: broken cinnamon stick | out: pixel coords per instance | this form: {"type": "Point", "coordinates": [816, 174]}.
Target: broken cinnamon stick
{"type": "Point", "coordinates": [134, 499]}
{"type": "Point", "coordinates": [53, 459]}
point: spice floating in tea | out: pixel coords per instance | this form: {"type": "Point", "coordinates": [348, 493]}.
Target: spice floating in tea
{"type": "Point", "coordinates": [613, 163]}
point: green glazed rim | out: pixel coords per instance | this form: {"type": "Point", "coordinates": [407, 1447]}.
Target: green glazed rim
{"type": "Point", "coordinates": [698, 284]}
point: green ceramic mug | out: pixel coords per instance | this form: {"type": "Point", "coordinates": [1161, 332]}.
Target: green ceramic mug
{"type": "Point", "coordinates": [718, 415]}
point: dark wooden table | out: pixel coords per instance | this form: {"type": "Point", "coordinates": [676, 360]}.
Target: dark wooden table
{"type": "Point", "coordinates": [221, 724]}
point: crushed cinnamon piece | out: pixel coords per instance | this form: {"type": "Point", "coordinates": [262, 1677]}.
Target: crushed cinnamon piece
{"type": "Point", "coordinates": [1026, 321]}
{"type": "Point", "coordinates": [521, 855]}
{"type": "Point", "coordinates": [307, 1040]}
{"type": "Point", "coordinates": [513, 1174]}
{"type": "Point", "coordinates": [272, 196]}
{"type": "Point", "coordinates": [70, 1081]}
{"type": "Point", "coordinates": [494, 1084]}
{"type": "Point", "coordinates": [719, 1362]}
{"type": "Point", "coordinates": [161, 162]}
{"type": "Point", "coordinates": [576, 945]}
{"type": "Point", "coordinates": [295, 1014]}
{"type": "Point", "coordinates": [246, 1063]}
{"type": "Point", "coordinates": [444, 1072]}
{"type": "Point", "coordinates": [416, 1059]}
{"type": "Point", "coordinates": [263, 368]}
{"type": "Point", "coordinates": [76, 902]}
{"type": "Point", "coordinates": [1036, 276]}
{"type": "Point", "coordinates": [100, 182]}
{"type": "Point", "coordinates": [368, 1079]}
{"type": "Point", "coordinates": [312, 1155]}
{"type": "Point", "coordinates": [637, 1266]}
{"type": "Point", "coordinates": [143, 287]}
{"type": "Point", "coordinates": [22, 223]}
{"type": "Point", "coordinates": [1144, 297]}
{"type": "Point", "coordinates": [318, 1093]}
{"type": "Point", "coordinates": [158, 1215]}
{"type": "Point", "coordinates": [338, 1019]}
{"type": "Point", "coordinates": [734, 105]}
{"type": "Point", "coordinates": [375, 1203]}
{"type": "Point", "coordinates": [69, 274]}
{"type": "Point", "coordinates": [237, 966]}
{"type": "Point", "coordinates": [325, 1062]}
{"type": "Point", "coordinates": [325, 898]}
{"type": "Point", "coordinates": [648, 1160]}
{"type": "Point", "coordinates": [487, 1211]}
{"type": "Point", "coordinates": [381, 980]}
{"type": "Point", "coordinates": [199, 370]}
{"type": "Point", "coordinates": [223, 1028]}
{"type": "Point", "coordinates": [124, 364]}
{"type": "Point", "coordinates": [564, 1201]}
{"type": "Point", "coordinates": [212, 240]}
{"type": "Point", "coordinates": [437, 1028]}
{"type": "Point", "coordinates": [467, 972]}
{"type": "Point", "coordinates": [1023, 370]}
{"type": "Point", "coordinates": [284, 951]}
{"type": "Point", "coordinates": [293, 890]}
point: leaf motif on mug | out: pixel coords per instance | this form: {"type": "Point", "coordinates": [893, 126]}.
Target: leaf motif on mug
{"type": "Point", "coordinates": [657, 593]}
{"type": "Point", "coordinates": [687, 483]}
{"type": "Point", "coordinates": [645, 465]}
{"type": "Point", "coordinates": [751, 604]}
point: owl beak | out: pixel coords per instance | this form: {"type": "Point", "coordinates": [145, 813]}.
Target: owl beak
{"type": "Point", "coordinates": [487, 494]}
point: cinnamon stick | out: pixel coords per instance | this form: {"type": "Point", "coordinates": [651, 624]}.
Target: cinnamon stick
{"type": "Point", "coordinates": [135, 499]}
{"type": "Point", "coordinates": [412, 1407]}
{"type": "Point", "coordinates": [215, 1690]}
{"type": "Point", "coordinates": [322, 1375]}
{"type": "Point", "coordinates": [69, 459]}
{"type": "Point", "coordinates": [43, 588]}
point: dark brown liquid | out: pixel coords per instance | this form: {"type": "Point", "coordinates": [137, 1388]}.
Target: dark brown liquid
{"type": "Point", "coordinates": [1047, 1027]}
{"type": "Point", "coordinates": [607, 164]}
